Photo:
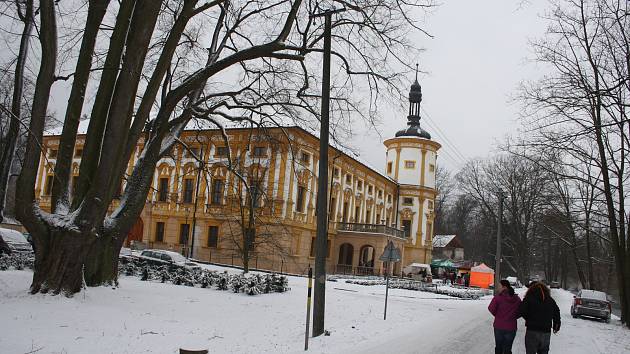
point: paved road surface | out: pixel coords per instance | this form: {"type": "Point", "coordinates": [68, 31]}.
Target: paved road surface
{"type": "Point", "coordinates": [470, 332]}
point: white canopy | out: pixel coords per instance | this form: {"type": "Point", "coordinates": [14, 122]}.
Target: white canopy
{"type": "Point", "coordinates": [416, 267]}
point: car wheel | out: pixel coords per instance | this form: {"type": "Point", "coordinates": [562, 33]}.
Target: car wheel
{"type": "Point", "coordinates": [607, 320]}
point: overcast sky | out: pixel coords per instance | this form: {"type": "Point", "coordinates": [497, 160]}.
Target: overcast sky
{"type": "Point", "coordinates": [474, 64]}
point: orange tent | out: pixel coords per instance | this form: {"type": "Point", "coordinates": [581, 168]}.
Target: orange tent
{"type": "Point", "coordinates": [481, 276]}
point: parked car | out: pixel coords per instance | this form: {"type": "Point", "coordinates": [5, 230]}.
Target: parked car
{"type": "Point", "coordinates": [555, 285]}
{"type": "Point", "coordinates": [161, 257]}
{"type": "Point", "coordinates": [591, 303]}
{"type": "Point", "coordinates": [125, 253]}
{"type": "Point", "coordinates": [514, 282]}
{"type": "Point", "coordinates": [14, 241]}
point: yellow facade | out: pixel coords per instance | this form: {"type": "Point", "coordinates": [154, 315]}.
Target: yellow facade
{"type": "Point", "coordinates": [283, 164]}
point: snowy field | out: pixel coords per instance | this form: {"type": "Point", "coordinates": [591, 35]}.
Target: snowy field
{"type": "Point", "coordinates": [141, 317]}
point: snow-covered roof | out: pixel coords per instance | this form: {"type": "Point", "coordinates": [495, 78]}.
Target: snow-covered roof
{"type": "Point", "coordinates": [346, 151]}
{"type": "Point", "coordinates": [205, 125]}
{"type": "Point", "coordinates": [440, 241]}
{"type": "Point", "coordinates": [335, 144]}
{"type": "Point", "coordinates": [56, 130]}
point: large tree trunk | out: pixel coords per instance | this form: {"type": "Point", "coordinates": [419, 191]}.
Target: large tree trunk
{"type": "Point", "coordinates": [60, 256]}
{"type": "Point", "coordinates": [68, 260]}
{"type": "Point", "coordinates": [101, 267]}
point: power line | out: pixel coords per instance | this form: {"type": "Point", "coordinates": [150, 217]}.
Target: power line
{"type": "Point", "coordinates": [448, 150]}
{"type": "Point", "coordinates": [444, 136]}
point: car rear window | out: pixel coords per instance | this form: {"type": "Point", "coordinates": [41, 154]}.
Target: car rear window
{"type": "Point", "coordinates": [594, 295]}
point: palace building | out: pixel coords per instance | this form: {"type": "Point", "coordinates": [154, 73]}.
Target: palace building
{"type": "Point", "coordinates": [208, 193]}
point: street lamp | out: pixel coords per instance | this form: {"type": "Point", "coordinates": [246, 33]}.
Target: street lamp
{"type": "Point", "coordinates": [319, 302]}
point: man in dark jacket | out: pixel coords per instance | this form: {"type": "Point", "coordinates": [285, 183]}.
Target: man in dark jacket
{"type": "Point", "coordinates": [541, 314]}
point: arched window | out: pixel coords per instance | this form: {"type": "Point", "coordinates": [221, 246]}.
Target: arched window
{"type": "Point", "coordinates": [366, 256]}
{"type": "Point", "coordinates": [345, 254]}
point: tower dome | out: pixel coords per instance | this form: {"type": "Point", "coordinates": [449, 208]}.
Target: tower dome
{"type": "Point", "coordinates": [413, 119]}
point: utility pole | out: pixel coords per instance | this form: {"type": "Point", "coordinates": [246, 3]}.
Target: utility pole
{"type": "Point", "coordinates": [497, 264]}
{"type": "Point", "coordinates": [321, 244]}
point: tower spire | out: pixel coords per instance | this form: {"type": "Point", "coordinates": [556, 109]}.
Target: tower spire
{"type": "Point", "coordinates": [416, 72]}
{"type": "Point", "coordinates": [413, 118]}
{"type": "Point", "coordinates": [415, 97]}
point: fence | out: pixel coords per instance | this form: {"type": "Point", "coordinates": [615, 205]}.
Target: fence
{"type": "Point", "coordinates": [371, 228]}
{"type": "Point", "coordinates": [263, 262]}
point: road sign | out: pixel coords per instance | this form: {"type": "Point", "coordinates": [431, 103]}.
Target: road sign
{"type": "Point", "coordinates": [391, 253]}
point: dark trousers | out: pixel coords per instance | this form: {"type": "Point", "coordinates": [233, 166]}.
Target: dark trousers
{"type": "Point", "coordinates": [503, 341]}
{"type": "Point", "coordinates": [537, 342]}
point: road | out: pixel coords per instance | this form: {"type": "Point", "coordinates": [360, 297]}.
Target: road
{"type": "Point", "coordinates": [471, 332]}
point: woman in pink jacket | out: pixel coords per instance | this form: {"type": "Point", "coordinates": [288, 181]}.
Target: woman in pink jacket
{"type": "Point", "coordinates": [505, 309]}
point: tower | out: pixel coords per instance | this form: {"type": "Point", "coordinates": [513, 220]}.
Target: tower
{"type": "Point", "coordinates": [411, 161]}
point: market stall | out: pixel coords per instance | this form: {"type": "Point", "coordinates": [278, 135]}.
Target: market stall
{"type": "Point", "coordinates": [481, 276]}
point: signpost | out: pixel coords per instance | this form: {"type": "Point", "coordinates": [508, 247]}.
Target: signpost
{"type": "Point", "coordinates": [390, 254]}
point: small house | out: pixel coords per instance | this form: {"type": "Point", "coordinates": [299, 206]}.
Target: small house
{"type": "Point", "coordinates": [448, 247]}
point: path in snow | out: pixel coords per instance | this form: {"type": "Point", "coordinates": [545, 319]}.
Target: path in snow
{"type": "Point", "coordinates": [470, 332]}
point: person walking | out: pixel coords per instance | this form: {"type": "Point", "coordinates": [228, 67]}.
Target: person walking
{"type": "Point", "coordinates": [541, 314]}
{"type": "Point", "coordinates": [505, 309]}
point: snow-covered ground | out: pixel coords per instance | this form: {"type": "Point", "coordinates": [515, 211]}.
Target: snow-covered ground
{"type": "Point", "coordinates": [140, 317]}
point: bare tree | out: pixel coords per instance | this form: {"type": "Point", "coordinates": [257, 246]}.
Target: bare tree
{"type": "Point", "coordinates": [170, 62]}
{"type": "Point", "coordinates": [9, 138]}
{"type": "Point", "coordinates": [444, 185]}
{"type": "Point", "coordinates": [252, 223]}
{"type": "Point", "coordinates": [583, 101]}
{"type": "Point", "coordinates": [524, 184]}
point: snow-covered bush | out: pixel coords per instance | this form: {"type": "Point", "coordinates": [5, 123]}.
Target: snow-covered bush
{"type": "Point", "coordinates": [253, 285]}
{"type": "Point", "coordinates": [460, 292]}
{"type": "Point", "coordinates": [280, 283]}
{"type": "Point", "coordinates": [203, 278]}
{"type": "Point", "coordinates": [17, 261]}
